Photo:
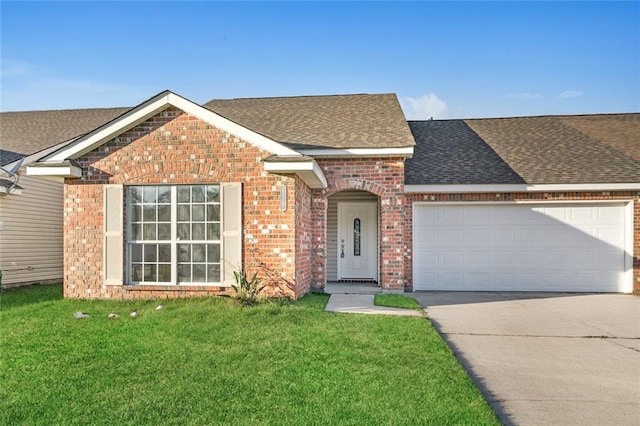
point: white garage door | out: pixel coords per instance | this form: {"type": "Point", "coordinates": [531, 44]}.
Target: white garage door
{"type": "Point", "coordinates": [523, 247]}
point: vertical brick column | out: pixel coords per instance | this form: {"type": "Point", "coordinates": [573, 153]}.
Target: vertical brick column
{"type": "Point", "coordinates": [319, 239]}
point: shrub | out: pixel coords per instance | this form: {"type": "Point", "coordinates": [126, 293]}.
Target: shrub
{"type": "Point", "coordinates": [247, 290]}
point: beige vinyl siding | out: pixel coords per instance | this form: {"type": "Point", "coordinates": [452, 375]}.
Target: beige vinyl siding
{"type": "Point", "coordinates": [31, 234]}
{"type": "Point", "coordinates": [332, 227]}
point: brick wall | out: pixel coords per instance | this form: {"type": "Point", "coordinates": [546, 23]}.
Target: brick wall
{"type": "Point", "coordinates": [529, 196]}
{"type": "Point", "coordinates": [176, 148]}
{"type": "Point", "coordinates": [383, 177]}
{"type": "Point", "coordinates": [303, 238]}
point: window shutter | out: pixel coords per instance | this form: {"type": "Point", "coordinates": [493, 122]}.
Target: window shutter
{"type": "Point", "coordinates": [113, 234]}
{"type": "Point", "coordinates": [231, 231]}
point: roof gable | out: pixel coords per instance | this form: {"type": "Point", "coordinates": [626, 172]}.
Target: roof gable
{"type": "Point", "coordinates": [147, 110]}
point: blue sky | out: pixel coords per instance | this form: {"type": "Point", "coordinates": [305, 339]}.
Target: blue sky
{"type": "Point", "coordinates": [442, 59]}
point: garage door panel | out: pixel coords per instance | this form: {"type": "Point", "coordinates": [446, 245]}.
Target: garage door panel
{"type": "Point", "coordinates": [448, 279]}
{"type": "Point", "coordinates": [452, 258]}
{"type": "Point", "coordinates": [451, 236]}
{"type": "Point", "coordinates": [448, 217]}
{"type": "Point", "coordinates": [427, 238]}
{"type": "Point", "coordinates": [520, 247]}
{"type": "Point", "coordinates": [476, 258]}
{"type": "Point", "coordinates": [476, 236]}
{"type": "Point", "coordinates": [502, 259]}
{"type": "Point", "coordinates": [428, 216]}
{"type": "Point", "coordinates": [430, 258]}
{"type": "Point", "coordinates": [477, 217]}
{"type": "Point", "coordinates": [501, 217]}
{"type": "Point", "coordinates": [610, 214]}
{"type": "Point", "coordinates": [610, 235]}
{"type": "Point", "coordinates": [503, 236]}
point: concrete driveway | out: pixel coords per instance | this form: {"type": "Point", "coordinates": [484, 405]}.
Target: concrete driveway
{"type": "Point", "coordinates": [561, 359]}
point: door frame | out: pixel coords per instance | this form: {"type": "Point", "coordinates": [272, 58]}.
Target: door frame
{"type": "Point", "coordinates": [373, 204]}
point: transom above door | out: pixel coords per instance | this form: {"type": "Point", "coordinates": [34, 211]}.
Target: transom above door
{"type": "Point", "coordinates": [358, 241]}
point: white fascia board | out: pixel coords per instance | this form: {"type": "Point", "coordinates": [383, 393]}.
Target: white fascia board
{"type": "Point", "coordinates": [152, 107]}
{"type": "Point", "coordinates": [309, 171]}
{"type": "Point", "coordinates": [359, 152]}
{"type": "Point", "coordinates": [69, 171]}
{"type": "Point", "coordinates": [579, 187]}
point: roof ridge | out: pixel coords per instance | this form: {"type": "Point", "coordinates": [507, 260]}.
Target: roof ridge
{"type": "Point", "coordinates": [603, 114]}
{"type": "Point", "coordinates": [302, 96]}
{"type": "Point", "coordinates": [64, 110]}
{"type": "Point", "coordinates": [555, 116]}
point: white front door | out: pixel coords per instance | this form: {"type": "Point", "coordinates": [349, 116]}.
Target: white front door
{"type": "Point", "coordinates": [358, 240]}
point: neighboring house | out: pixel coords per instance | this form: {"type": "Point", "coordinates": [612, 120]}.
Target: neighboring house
{"type": "Point", "coordinates": [171, 197]}
{"type": "Point", "coordinates": [31, 212]}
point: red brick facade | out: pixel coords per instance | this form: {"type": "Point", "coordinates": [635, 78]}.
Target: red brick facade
{"type": "Point", "coordinates": [287, 245]}
{"type": "Point", "coordinates": [529, 196]}
{"type": "Point", "coordinates": [176, 148]}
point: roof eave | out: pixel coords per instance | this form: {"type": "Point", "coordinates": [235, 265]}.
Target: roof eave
{"type": "Point", "coordinates": [66, 169]}
{"type": "Point", "coordinates": [308, 170]}
{"type": "Point", "coordinates": [556, 187]}
{"type": "Point", "coordinates": [406, 152]}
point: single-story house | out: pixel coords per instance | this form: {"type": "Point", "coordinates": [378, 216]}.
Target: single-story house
{"type": "Point", "coordinates": [169, 198]}
{"type": "Point", "coordinates": [30, 207]}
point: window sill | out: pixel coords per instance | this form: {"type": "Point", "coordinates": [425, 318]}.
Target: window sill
{"type": "Point", "coordinates": [200, 288]}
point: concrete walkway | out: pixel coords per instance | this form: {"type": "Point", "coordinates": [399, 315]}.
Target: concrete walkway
{"type": "Point", "coordinates": [358, 299]}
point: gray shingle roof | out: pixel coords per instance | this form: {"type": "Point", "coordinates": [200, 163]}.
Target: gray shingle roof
{"type": "Point", "coordinates": [449, 152]}
{"type": "Point", "coordinates": [534, 150]}
{"type": "Point", "coordinates": [27, 132]}
{"type": "Point", "coordinates": [334, 121]}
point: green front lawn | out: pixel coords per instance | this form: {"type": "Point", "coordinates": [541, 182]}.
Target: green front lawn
{"type": "Point", "coordinates": [396, 301]}
{"type": "Point", "coordinates": [209, 361]}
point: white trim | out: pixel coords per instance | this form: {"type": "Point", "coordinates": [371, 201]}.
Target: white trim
{"type": "Point", "coordinates": [309, 171]}
{"type": "Point", "coordinates": [150, 108]}
{"type": "Point", "coordinates": [70, 171]}
{"type": "Point", "coordinates": [577, 187]}
{"type": "Point", "coordinates": [628, 248]}
{"type": "Point", "coordinates": [516, 202]}
{"type": "Point", "coordinates": [359, 152]}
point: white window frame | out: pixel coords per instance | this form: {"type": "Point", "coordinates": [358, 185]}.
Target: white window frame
{"type": "Point", "coordinates": [174, 240]}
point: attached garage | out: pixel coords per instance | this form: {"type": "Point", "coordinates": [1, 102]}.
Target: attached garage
{"type": "Point", "coordinates": [564, 247]}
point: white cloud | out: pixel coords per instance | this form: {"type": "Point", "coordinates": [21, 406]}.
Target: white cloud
{"type": "Point", "coordinates": [523, 96]}
{"type": "Point", "coordinates": [567, 94]}
{"type": "Point", "coordinates": [423, 107]}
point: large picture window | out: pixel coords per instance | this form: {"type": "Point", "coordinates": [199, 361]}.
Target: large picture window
{"type": "Point", "coordinates": [174, 234]}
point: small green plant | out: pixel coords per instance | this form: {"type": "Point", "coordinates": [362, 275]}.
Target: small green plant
{"type": "Point", "coordinates": [247, 289]}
